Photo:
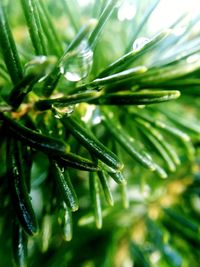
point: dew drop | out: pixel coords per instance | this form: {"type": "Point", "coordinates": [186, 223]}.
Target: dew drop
{"type": "Point", "coordinates": [72, 76]}
{"type": "Point", "coordinates": [139, 43]}
{"type": "Point", "coordinates": [76, 64]}
{"type": "Point", "coordinates": [59, 112]}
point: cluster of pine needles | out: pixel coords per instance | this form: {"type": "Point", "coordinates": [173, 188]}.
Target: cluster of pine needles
{"type": "Point", "coordinates": [99, 126]}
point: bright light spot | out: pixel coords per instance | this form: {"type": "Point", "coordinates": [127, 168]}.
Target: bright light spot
{"type": "Point", "coordinates": [179, 30]}
{"type": "Point", "coordinates": [96, 120]}
{"type": "Point", "coordinates": [155, 257]}
{"type": "Point", "coordinates": [136, 194]}
{"type": "Point", "coordinates": [84, 2]}
{"type": "Point", "coordinates": [126, 11]}
{"type": "Point", "coordinates": [37, 201]}
{"type": "Point", "coordinates": [127, 262]}
{"type": "Point", "coordinates": [88, 114]}
{"type": "Point", "coordinates": [193, 58]}
{"type": "Point", "coordinates": [70, 76]}
{"type": "Point", "coordinates": [168, 11]}
{"type": "Point", "coordinates": [139, 43]}
{"type": "Point", "coordinates": [196, 203]}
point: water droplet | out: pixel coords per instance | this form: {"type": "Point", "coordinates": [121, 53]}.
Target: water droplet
{"type": "Point", "coordinates": [76, 64]}
{"type": "Point", "coordinates": [139, 43]}
{"type": "Point", "coordinates": [73, 77]}
{"type": "Point", "coordinates": [59, 112]}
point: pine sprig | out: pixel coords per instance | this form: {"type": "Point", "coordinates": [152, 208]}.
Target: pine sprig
{"type": "Point", "coordinates": [78, 149]}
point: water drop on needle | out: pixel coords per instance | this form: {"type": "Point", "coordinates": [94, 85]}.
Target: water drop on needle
{"type": "Point", "coordinates": [139, 43]}
{"type": "Point", "coordinates": [76, 64]}
{"type": "Point", "coordinates": [59, 112]}
{"type": "Point", "coordinates": [72, 76]}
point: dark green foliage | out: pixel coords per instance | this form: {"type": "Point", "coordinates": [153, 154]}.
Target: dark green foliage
{"type": "Point", "coordinates": [9, 51]}
{"type": "Point", "coordinates": [18, 189]}
{"type": "Point", "coordinates": [87, 131]}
